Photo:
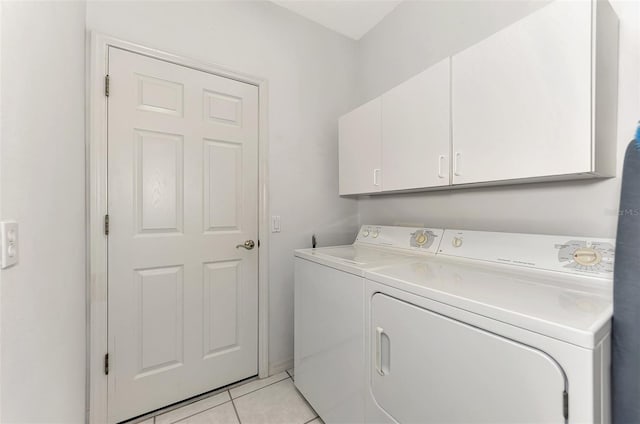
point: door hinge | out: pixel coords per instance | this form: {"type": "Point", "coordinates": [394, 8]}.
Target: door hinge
{"type": "Point", "coordinates": [565, 405]}
{"type": "Point", "coordinates": [106, 364]}
{"type": "Point", "coordinates": [106, 85]}
{"type": "Point", "coordinates": [106, 225]}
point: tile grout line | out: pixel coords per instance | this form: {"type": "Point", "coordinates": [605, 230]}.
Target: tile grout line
{"type": "Point", "coordinates": [225, 402]}
{"type": "Point", "coordinates": [189, 402]}
{"type": "Point", "coordinates": [260, 388]}
{"type": "Point", "coordinates": [235, 409]}
{"type": "Point", "coordinates": [193, 415]}
{"type": "Point", "coordinates": [315, 414]}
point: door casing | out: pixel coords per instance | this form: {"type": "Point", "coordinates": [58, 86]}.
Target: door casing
{"type": "Point", "coordinates": [96, 206]}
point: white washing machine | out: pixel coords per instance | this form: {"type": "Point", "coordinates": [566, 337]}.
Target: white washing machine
{"type": "Point", "coordinates": [497, 328]}
{"type": "Point", "coordinates": [329, 314]}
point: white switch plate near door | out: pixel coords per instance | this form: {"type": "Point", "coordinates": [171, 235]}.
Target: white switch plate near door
{"type": "Point", "coordinates": [9, 237]}
{"type": "Point", "coordinates": [275, 224]}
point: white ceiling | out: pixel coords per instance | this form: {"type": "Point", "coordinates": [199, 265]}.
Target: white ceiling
{"type": "Point", "coordinates": [352, 18]}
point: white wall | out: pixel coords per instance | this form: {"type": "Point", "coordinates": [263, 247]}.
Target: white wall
{"type": "Point", "coordinates": [311, 75]}
{"type": "Point", "coordinates": [418, 34]}
{"type": "Point", "coordinates": [42, 187]}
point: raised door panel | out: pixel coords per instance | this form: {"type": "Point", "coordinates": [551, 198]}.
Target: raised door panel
{"type": "Point", "coordinates": [439, 370]}
{"type": "Point", "coordinates": [222, 185]}
{"type": "Point", "coordinates": [222, 109]}
{"type": "Point", "coordinates": [415, 131]}
{"type": "Point", "coordinates": [222, 307]}
{"type": "Point", "coordinates": [522, 99]}
{"type": "Point", "coordinates": [160, 319]}
{"type": "Point", "coordinates": [158, 185]}
{"type": "Point", "coordinates": [360, 150]}
{"type": "Point", "coordinates": [160, 96]}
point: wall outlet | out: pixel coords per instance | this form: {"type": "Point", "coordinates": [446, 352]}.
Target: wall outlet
{"type": "Point", "coordinates": [9, 238]}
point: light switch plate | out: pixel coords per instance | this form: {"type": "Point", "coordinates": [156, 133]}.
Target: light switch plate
{"type": "Point", "coordinates": [9, 237]}
{"type": "Point", "coordinates": [275, 224]}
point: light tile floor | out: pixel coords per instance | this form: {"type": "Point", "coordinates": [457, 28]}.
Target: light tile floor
{"type": "Point", "coordinates": [272, 400]}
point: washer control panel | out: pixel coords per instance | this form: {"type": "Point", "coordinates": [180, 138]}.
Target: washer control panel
{"type": "Point", "coordinates": [411, 238]}
{"type": "Point", "coordinates": [580, 255]}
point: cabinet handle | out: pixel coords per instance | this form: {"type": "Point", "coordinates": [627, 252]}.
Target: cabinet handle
{"type": "Point", "coordinates": [456, 164]}
{"type": "Point", "coordinates": [376, 177]}
{"type": "Point", "coordinates": [440, 159]}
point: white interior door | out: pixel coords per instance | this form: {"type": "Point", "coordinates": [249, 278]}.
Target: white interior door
{"type": "Point", "coordinates": [438, 370]}
{"type": "Point", "coordinates": [183, 192]}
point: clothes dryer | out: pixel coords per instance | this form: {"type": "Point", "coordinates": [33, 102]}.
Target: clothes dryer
{"type": "Point", "coordinates": [497, 328]}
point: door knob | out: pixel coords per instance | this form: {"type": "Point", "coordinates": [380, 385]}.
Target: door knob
{"type": "Point", "coordinates": [249, 244]}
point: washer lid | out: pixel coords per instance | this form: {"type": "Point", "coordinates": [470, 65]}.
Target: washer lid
{"type": "Point", "coordinates": [574, 309]}
{"type": "Point", "coordinates": [355, 258]}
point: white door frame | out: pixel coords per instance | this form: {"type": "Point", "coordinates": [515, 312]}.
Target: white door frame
{"type": "Point", "coordinates": [96, 174]}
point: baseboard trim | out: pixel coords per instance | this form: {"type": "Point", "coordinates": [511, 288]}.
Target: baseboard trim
{"type": "Point", "coordinates": [281, 366]}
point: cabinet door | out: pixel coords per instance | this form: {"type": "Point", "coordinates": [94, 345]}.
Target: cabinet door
{"type": "Point", "coordinates": [432, 369]}
{"type": "Point", "coordinates": [415, 131]}
{"type": "Point", "coordinates": [522, 98]}
{"type": "Point", "coordinates": [359, 150]}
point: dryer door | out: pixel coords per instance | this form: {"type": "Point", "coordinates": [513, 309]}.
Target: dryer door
{"type": "Point", "coordinates": [428, 368]}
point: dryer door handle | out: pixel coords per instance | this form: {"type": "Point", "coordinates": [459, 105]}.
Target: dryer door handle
{"type": "Point", "coordinates": [383, 351]}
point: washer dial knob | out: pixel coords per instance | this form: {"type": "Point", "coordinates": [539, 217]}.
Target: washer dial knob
{"type": "Point", "coordinates": [421, 239]}
{"type": "Point", "coordinates": [376, 233]}
{"type": "Point", "coordinates": [365, 232]}
{"type": "Point", "coordinates": [587, 256]}
{"type": "Point", "coordinates": [456, 242]}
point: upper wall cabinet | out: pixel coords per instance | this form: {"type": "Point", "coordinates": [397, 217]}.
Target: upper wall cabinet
{"type": "Point", "coordinates": [360, 150]}
{"type": "Point", "coordinates": [415, 131]}
{"type": "Point", "coordinates": [537, 100]}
